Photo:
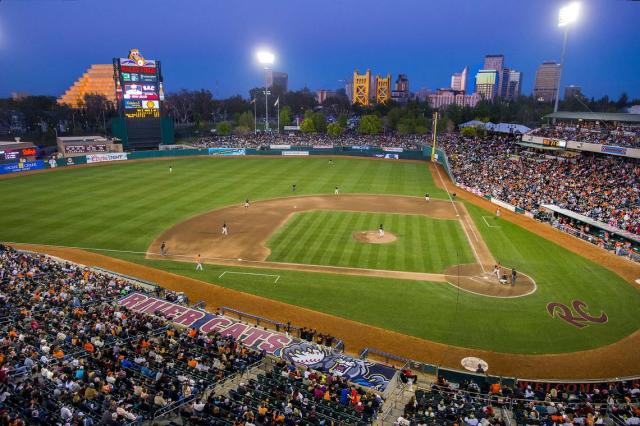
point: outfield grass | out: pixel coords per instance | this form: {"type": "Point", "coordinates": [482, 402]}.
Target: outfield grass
{"type": "Point", "coordinates": [326, 238]}
{"type": "Point", "coordinates": [125, 206]}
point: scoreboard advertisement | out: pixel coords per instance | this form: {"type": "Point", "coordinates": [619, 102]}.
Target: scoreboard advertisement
{"type": "Point", "coordinates": [140, 95]}
{"type": "Point", "coordinates": [138, 86]}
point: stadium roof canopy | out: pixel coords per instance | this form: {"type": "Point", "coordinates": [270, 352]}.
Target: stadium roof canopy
{"type": "Point", "coordinates": [595, 116]}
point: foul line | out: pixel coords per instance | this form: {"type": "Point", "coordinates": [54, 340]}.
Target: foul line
{"type": "Point", "coordinates": [250, 273]}
{"type": "Point", "coordinates": [487, 223]}
{"type": "Point", "coordinates": [475, 252]}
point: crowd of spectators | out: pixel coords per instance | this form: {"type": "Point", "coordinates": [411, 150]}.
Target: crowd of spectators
{"type": "Point", "coordinates": [615, 403]}
{"type": "Point", "coordinates": [70, 355]}
{"type": "Point", "coordinates": [604, 188]}
{"type": "Point", "coordinates": [593, 132]}
{"type": "Point", "coordinates": [464, 404]}
{"type": "Point", "coordinates": [257, 141]}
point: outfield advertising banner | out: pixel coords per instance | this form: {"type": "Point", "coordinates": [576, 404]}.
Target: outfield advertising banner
{"type": "Point", "coordinates": [295, 153]}
{"type": "Point", "coordinates": [392, 149]}
{"type": "Point", "coordinates": [362, 372]}
{"type": "Point", "coordinates": [360, 148]}
{"type": "Point", "coordinates": [102, 158]}
{"type": "Point", "coordinates": [280, 146]}
{"type": "Point", "coordinates": [227, 151]}
{"type": "Point", "coordinates": [23, 166]}
{"type": "Point", "coordinates": [322, 147]}
{"type": "Point", "coordinates": [387, 156]}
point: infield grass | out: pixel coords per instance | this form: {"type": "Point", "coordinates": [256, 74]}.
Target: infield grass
{"type": "Point", "coordinates": [326, 238]}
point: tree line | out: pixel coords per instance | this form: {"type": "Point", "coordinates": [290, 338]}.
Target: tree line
{"type": "Point", "coordinates": [197, 112]}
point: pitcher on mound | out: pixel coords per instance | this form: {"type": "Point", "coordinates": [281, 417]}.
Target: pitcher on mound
{"type": "Point", "coordinates": [381, 231]}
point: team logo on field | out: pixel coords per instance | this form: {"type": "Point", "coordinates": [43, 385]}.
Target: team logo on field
{"type": "Point", "coordinates": [577, 314]}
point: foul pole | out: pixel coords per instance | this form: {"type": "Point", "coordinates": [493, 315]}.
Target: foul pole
{"type": "Point", "coordinates": [435, 131]}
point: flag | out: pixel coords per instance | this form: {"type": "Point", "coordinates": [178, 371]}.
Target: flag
{"type": "Point", "coordinates": [253, 101]}
{"type": "Point", "coordinates": [277, 101]}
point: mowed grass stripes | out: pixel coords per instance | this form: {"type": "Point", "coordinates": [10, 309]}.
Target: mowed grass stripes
{"type": "Point", "coordinates": [326, 238]}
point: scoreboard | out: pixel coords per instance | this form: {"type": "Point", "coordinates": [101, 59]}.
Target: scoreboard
{"type": "Point", "coordinates": [139, 93]}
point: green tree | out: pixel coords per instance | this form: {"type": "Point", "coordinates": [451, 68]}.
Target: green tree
{"type": "Point", "coordinates": [342, 121]}
{"type": "Point", "coordinates": [224, 128]}
{"type": "Point", "coordinates": [285, 117]}
{"type": "Point", "coordinates": [307, 126]}
{"type": "Point", "coordinates": [334, 130]}
{"type": "Point", "coordinates": [319, 122]}
{"type": "Point", "coordinates": [370, 125]}
{"type": "Point", "coordinates": [246, 120]}
{"type": "Point", "coordinates": [469, 131]}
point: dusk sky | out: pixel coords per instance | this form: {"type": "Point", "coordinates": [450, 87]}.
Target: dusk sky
{"type": "Point", "coordinates": [47, 44]}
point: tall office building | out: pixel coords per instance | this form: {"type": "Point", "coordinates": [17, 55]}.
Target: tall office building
{"type": "Point", "coordinates": [278, 79]}
{"type": "Point", "coordinates": [98, 79]}
{"type": "Point", "coordinates": [513, 84]}
{"type": "Point", "coordinates": [547, 80]}
{"type": "Point", "coordinates": [496, 62]}
{"type": "Point", "coordinates": [487, 84]}
{"type": "Point", "coordinates": [459, 80]}
{"type": "Point", "coordinates": [572, 91]}
{"type": "Point", "coordinates": [400, 92]}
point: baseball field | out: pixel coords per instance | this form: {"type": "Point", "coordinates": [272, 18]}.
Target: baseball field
{"type": "Point", "coordinates": [317, 259]}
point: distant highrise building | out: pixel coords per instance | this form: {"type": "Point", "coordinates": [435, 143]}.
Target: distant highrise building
{"type": "Point", "coordinates": [98, 79]}
{"type": "Point", "coordinates": [400, 91]}
{"type": "Point", "coordinates": [322, 95]}
{"type": "Point", "coordinates": [496, 62]}
{"type": "Point", "coordinates": [572, 91]}
{"type": "Point", "coordinates": [423, 94]}
{"type": "Point", "coordinates": [547, 80]}
{"type": "Point", "coordinates": [348, 89]}
{"type": "Point", "coordinates": [445, 97]}
{"type": "Point", "coordinates": [487, 84]}
{"type": "Point", "coordinates": [278, 79]}
{"type": "Point", "coordinates": [513, 84]}
{"type": "Point", "coordinates": [459, 80]}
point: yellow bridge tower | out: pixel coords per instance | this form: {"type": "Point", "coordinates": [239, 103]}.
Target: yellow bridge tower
{"type": "Point", "coordinates": [383, 89]}
{"type": "Point", "coordinates": [361, 83]}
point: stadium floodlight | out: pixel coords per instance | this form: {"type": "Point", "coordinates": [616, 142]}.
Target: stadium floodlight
{"type": "Point", "coordinates": [265, 57]}
{"type": "Point", "coordinates": [568, 14]}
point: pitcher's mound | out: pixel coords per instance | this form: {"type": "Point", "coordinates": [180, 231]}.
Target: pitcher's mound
{"type": "Point", "coordinates": [372, 237]}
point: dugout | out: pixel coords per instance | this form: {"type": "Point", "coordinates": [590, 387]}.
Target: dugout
{"type": "Point", "coordinates": [621, 242]}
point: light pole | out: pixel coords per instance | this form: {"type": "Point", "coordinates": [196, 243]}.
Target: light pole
{"type": "Point", "coordinates": [567, 15]}
{"type": "Point", "coordinates": [266, 58]}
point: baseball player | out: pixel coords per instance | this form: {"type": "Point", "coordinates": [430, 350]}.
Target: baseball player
{"type": "Point", "coordinates": [498, 212]}
{"type": "Point", "coordinates": [163, 248]}
{"type": "Point", "coordinates": [293, 188]}
{"type": "Point", "coordinates": [381, 231]}
{"type": "Point", "coordinates": [336, 191]}
{"type": "Point", "coordinates": [496, 270]}
{"type": "Point", "coordinates": [331, 161]}
{"type": "Point", "coordinates": [170, 169]}
{"type": "Point", "coordinates": [426, 197]}
{"type": "Point", "coordinates": [198, 263]}
{"type": "Point", "coordinates": [225, 229]}
{"type": "Point", "coordinates": [246, 203]}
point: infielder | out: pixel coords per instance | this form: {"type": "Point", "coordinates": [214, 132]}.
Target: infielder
{"type": "Point", "coordinates": [336, 191]}
{"type": "Point", "coordinates": [381, 231]}
{"type": "Point", "coordinates": [225, 229]}
{"type": "Point", "coordinates": [498, 212]}
{"type": "Point", "coordinates": [246, 203]}
{"type": "Point", "coordinates": [198, 263]}
{"type": "Point", "coordinates": [426, 197]}
{"type": "Point", "coordinates": [163, 248]}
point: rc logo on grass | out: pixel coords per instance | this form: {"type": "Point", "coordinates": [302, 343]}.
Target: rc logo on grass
{"type": "Point", "coordinates": [578, 317]}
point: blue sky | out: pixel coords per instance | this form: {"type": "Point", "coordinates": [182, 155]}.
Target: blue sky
{"type": "Point", "coordinates": [46, 44]}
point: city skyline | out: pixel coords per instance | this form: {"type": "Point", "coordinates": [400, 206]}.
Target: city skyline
{"type": "Point", "coordinates": [312, 55]}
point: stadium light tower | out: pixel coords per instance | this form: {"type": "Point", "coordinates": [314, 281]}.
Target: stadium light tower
{"type": "Point", "coordinates": [266, 59]}
{"type": "Point", "coordinates": [567, 16]}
